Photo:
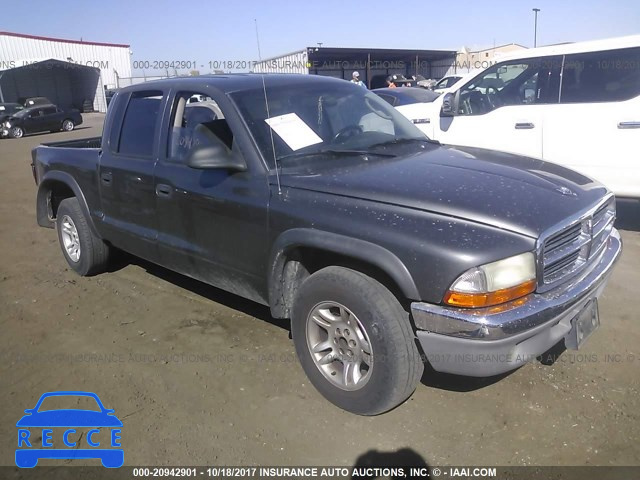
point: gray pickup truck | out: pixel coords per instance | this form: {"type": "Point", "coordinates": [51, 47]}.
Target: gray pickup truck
{"type": "Point", "coordinates": [315, 197]}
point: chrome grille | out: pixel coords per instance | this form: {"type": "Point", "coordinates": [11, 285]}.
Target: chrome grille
{"type": "Point", "coordinates": [568, 251]}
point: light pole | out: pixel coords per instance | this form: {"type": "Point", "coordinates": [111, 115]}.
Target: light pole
{"type": "Point", "coordinates": [535, 27]}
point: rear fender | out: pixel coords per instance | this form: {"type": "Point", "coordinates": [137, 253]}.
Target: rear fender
{"type": "Point", "coordinates": [44, 206]}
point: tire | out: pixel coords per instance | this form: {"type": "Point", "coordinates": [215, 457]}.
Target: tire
{"type": "Point", "coordinates": [85, 253]}
{"type": "Point", "coordinates": [373, 331]}
{"type": "Point", "coordinates": [68, 125]}
{"type": "Point", "coordinates": [16, 132]}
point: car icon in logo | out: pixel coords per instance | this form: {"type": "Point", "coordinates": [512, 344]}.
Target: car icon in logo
{"type": "Point", "coordinates": [31, 448]}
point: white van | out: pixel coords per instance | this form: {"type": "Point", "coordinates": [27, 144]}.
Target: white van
{"type": "Point", "coordinates": [574, 104]}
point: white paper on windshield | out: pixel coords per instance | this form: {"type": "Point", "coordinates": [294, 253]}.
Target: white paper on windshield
{"type": "Point", "coordinates": [292, 129]}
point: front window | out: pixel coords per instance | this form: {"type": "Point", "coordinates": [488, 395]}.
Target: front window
{"type": "Point", "coordinates": [520, 82]}
{"type": "Point", "coordinates": [315, 117]}
{"type": "Point", "coordinates": [195, 117]}
{"type": "Point", "coordinates": [23, 113]}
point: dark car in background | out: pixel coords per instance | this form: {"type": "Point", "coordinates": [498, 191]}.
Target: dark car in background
{"type": "Point", "coordinates": [397, 97]}
{"type": "Point", "coordinates": [40, 119]}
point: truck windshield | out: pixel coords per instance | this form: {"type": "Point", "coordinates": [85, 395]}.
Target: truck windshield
{"type": "Point", "coordinates": [321, 116]}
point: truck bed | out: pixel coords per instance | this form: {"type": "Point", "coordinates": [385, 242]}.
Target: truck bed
{"type": "Point", "coordinates": [78, 158]}
{"type": "Point", "coordinates": [93, 142]}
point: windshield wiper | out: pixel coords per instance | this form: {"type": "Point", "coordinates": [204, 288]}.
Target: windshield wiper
{"type": "Point", "coordinates": [335, 151]}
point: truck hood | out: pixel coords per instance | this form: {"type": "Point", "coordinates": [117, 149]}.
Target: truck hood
{"type": "Point", "coordinates": [520, 194]}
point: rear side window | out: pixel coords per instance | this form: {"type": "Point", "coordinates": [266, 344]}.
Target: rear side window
{"type": "Point", "coordinates": [609, 76]}
{"type": "Point", "coordinates": [140, 124]}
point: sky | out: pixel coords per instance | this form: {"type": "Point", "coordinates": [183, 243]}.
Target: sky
{"type": "Point", "coordinates": [214, 31]}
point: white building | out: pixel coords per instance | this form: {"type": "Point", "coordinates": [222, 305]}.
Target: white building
{"type": "Point", "coordinates": [68, 72]}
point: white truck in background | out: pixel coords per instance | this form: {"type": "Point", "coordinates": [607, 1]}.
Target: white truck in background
{"type": "Point", "coordinates": [574, 104]}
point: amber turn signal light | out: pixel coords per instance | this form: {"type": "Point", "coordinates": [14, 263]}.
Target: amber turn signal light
{"type": "Point", "coordinates": [478, 300]}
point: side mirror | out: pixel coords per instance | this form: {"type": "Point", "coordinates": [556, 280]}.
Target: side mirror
{"type": "Point", "coordinates": [448, 108]}
{"type": "Point", "coordinates": [214, 154]}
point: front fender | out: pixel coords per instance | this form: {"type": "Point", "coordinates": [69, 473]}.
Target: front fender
{"type": "Point", "coordinates": [44, 208]}
{"type": "Point", "coordinates": [339, 244]}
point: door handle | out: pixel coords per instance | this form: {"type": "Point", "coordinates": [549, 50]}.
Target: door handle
{"type": "Point", "coordinates": [106, 178]}
{"type": "Point", "coordinates": [163, 190]}
{"type": "Point", "coordinates": [524, 126]}
{"type": "Point", "coordinates": [626, 125]}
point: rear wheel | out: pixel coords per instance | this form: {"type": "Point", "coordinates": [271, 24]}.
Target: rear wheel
{"type": "Point", "coordinates": [85, 252]}
{"type": "Point", "coordinates": [68, 125]}
{"type": "Point", "coordinates": [354, 341]}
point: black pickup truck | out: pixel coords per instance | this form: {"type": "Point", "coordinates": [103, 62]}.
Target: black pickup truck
{"type": "Point", "coordinates": [315, 197]}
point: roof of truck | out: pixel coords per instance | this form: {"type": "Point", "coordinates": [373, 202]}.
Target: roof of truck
{"type": "Point", "coordinates": [577, 47]}
{"type": "Point", "coordinates": [233, 82]}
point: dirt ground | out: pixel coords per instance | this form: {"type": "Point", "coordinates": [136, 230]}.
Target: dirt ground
{"type": "Point", "coordinates": [199, 376]}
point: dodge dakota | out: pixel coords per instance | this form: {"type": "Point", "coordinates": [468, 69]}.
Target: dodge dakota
{"type": "Point", "coordinates": [316, 198]}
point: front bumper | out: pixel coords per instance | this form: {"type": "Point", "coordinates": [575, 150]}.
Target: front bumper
{"type": "Point", "coordinates": [494, 340]}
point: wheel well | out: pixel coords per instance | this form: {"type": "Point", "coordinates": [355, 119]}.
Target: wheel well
{"type": "Point", "coordinates": [57, 191]}
{"type": "Point", "coordinates": [301, 262]}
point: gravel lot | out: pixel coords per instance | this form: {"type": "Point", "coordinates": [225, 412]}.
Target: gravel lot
{"type": "Point", "coordinates": [199, 376]}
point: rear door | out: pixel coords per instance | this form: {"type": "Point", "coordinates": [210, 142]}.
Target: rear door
{"type": "Point", "coordinates": [502, 108]}
{"type": "Point", "coordinates": [127, 189]}
{"type": "Point", "coordinates": [50, 118]}
{"type": "Point", "coordinates": [595, 129]}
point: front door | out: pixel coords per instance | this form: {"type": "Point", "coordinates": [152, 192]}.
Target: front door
{"type": "Point", "coordinates": [502, 108]}
{"type": "Point", "coordinates": [212, 223]}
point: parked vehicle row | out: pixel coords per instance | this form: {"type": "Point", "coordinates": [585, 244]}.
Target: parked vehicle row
{"type": "Point", "coordinates": [41, 118]}
{"type": "Point", "coordinates": [326, 204]}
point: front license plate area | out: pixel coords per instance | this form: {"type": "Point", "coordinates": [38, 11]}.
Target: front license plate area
{"type": "Point", "coordinates": [583, 325]}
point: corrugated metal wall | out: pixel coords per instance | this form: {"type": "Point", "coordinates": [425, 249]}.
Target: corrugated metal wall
{"type": "Point", "coordinates": [112, 61]}
{"type": "Point", "coordinates": [295, 62]}
{"type": "Point", "coordinates": [440, 68]}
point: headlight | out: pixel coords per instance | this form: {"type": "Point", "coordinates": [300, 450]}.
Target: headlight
{"type": "Point", "coordinates": [7, 124]}
{"type": "Point", "coordinates": [494, 283]}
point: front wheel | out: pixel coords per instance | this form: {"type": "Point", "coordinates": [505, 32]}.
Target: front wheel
{"type": "Point", "coordinates": [68, 125]}
{"type": "Point", "coordinates": [354, 341]}
{"type": "Point", "coordinates": [16, 132]}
